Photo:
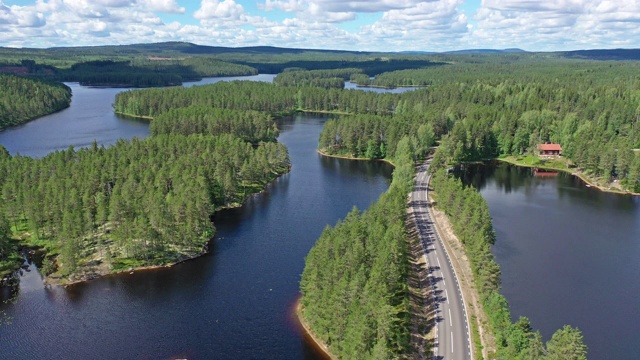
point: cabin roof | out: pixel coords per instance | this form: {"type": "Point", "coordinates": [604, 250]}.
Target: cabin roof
{"type": "Point", "coordinates": [550, 147]}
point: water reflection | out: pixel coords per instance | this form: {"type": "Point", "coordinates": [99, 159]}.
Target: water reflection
{"type": "Point", "coordinates": [568, 254]}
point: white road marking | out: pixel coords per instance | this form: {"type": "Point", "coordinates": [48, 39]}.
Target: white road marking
{"type": "Point", "coordinates": [450, 321]}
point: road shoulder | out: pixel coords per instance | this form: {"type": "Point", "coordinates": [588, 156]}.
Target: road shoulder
{"type": "Point", "coordinates": [423, 316]}
{"type": "Point", "coordinates": [462, 266]}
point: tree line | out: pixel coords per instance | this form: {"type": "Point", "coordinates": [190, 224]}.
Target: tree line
{"type": "Point", "coordinates": [374, 136]}
{"type": "Point", "coordinates": [149, 72]}
{"type": "Point", "coordinates": [333, 78]}
{"type": "Point", "coordinates": [23, 99]}
{"type": "Point", "coordinates": [354, 288]}
{"type": "Point", "coordinates": [136, 72]}
{"type": "Point", "coordinates": [314, 61]}
{"type": "Point", "coordinates": [248, 125]}
{"type": "Point", "coordinates": [251, 95]}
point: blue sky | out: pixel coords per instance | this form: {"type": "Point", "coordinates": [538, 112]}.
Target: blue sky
{"type": "Point", "coordinates": [368, 25]}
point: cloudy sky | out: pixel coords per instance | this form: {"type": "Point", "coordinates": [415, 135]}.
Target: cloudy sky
{"type": "Point", "coordinates": [368, 25]}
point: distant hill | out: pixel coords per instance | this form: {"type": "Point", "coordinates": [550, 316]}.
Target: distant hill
{"type": "Point", "coordinates": [188, 48]}
{"type": "Point", "coordinates": [177, 47]}
{"type": "Point", "coordinates": [604, 54]}
{"type": "Point", "coordinates": [485, 51]}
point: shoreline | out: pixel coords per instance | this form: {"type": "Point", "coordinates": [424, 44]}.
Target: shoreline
{"type": "Point", "coordinates": [587, 181]}
{"type": "Point", "coordinates": [145, 117]}
{"type": "Point", "coordinates": [308, 333]}
{"type": "Point", "coordinates": [387, 87]}
{"type": "Point", "coordinates": [324, 153]}
{"type": "Point", "coordinates": [99, 274]}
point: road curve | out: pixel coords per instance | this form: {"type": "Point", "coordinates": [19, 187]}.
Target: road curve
{"type": "Point", "coordinates": [452, 339]}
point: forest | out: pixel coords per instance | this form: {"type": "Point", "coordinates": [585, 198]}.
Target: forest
{"type": "Point", "coordinates": [354, 283]}
{"type": "Point", "coordinates": [463, 110]}
{"type": "Point", "coordinates": [23, 99]}
{"type": "Point", "coordinates": [149, 72]}
{"type": "Point", "coordinates": [139, 202]}
{"type": "Point", "coordinates": [317, 78]}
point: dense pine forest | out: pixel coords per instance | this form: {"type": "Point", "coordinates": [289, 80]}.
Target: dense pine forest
{"type": "Point", "coordinates": [149, 72]}
{"type": "Point", "coordinates": [354, 288]}
{"type": "Point", "coordinates": [25, 99]}
{"type": "Point", "coordinates": [139, 202]}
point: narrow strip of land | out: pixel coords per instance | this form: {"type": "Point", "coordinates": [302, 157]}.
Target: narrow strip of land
{"type": "Point", "coordinates": [452, 334]}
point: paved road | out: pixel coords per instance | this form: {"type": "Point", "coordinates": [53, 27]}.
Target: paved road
{"type": "Point", "coordinates": [452, 330]}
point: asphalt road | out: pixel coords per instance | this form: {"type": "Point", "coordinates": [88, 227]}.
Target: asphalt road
{"type": "Point", "coordinates": [452, 330]}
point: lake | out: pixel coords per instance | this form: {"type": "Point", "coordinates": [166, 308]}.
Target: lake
{"type": "Point", "coordinates": [233, 303]}
{"type": "Point", "coordinates": [568, 253]}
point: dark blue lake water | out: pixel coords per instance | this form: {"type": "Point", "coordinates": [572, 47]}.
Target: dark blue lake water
{"type": "Point", "coordinates": [568, 253]}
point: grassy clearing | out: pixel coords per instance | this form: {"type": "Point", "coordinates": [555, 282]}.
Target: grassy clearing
{"type": "Point", "coordinates": [560, 164]}
{"type": "Point", "coordinates": [566, 165]}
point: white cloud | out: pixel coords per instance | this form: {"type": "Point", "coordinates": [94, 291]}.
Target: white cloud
{"type": "Point", "coordinates": [434, 25]}
{"type": "Point", "coordinates": [167, 6]}
{"type": "Point", "coordinates": [226, 9]}
{"type": "Point", "coordinates": [366, 6]}
{"type": "Point", "coordinates": [557, 24]}
{"type": "Point", "coordinates": [284, 5]}
{"type": "Point", "coordinates": [114, 3]}
{"type": "Point", "coordinates": [426, 26]}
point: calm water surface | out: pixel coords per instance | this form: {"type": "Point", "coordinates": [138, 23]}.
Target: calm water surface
{"type": "Point", "coordinates": [569, 255]}
{"type": "Point", "coordinates": [89, 118]}
{"type": "Point", "coordinates": [234, 303]}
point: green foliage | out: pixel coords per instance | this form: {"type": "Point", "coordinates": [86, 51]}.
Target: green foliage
{"type": "Point", "coordinates": [316, 78]}
{"type": "Point", "coordinates": [149, 71]}
{"type": "Point", "coordinates": [376, 137]}
{"type": "Point", "coordinates": [24, 99]}
{"type": "Point", "coordinates": [314, 61]}
{"type": "Point", "coordinates": [360, 79]}
{"type": "Point", "coordinates": [590, 108]}
{"type": "Point", "coordinates": [354, 283]}
{"type": "Point", "coordinates": [566, 344]}
{"type": "Point", "coordinates": [141, 202]}
{"type": "Point", "coordinates": [251, 126]}
{"type": "Point", "coordinates": [251, 95]}
{"type": "Point", "coordinates": [409, 77]}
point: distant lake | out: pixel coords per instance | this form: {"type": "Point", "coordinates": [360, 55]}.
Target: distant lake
{"type": "Point", "coordinates": [91, 118]}
{"type": "Point", "coordinates": [568, 253]}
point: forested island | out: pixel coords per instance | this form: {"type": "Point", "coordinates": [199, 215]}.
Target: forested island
{"type": "Point", "coordinates": [139, 203]}
{"type": "Point", "coordinates": [23, 99]}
